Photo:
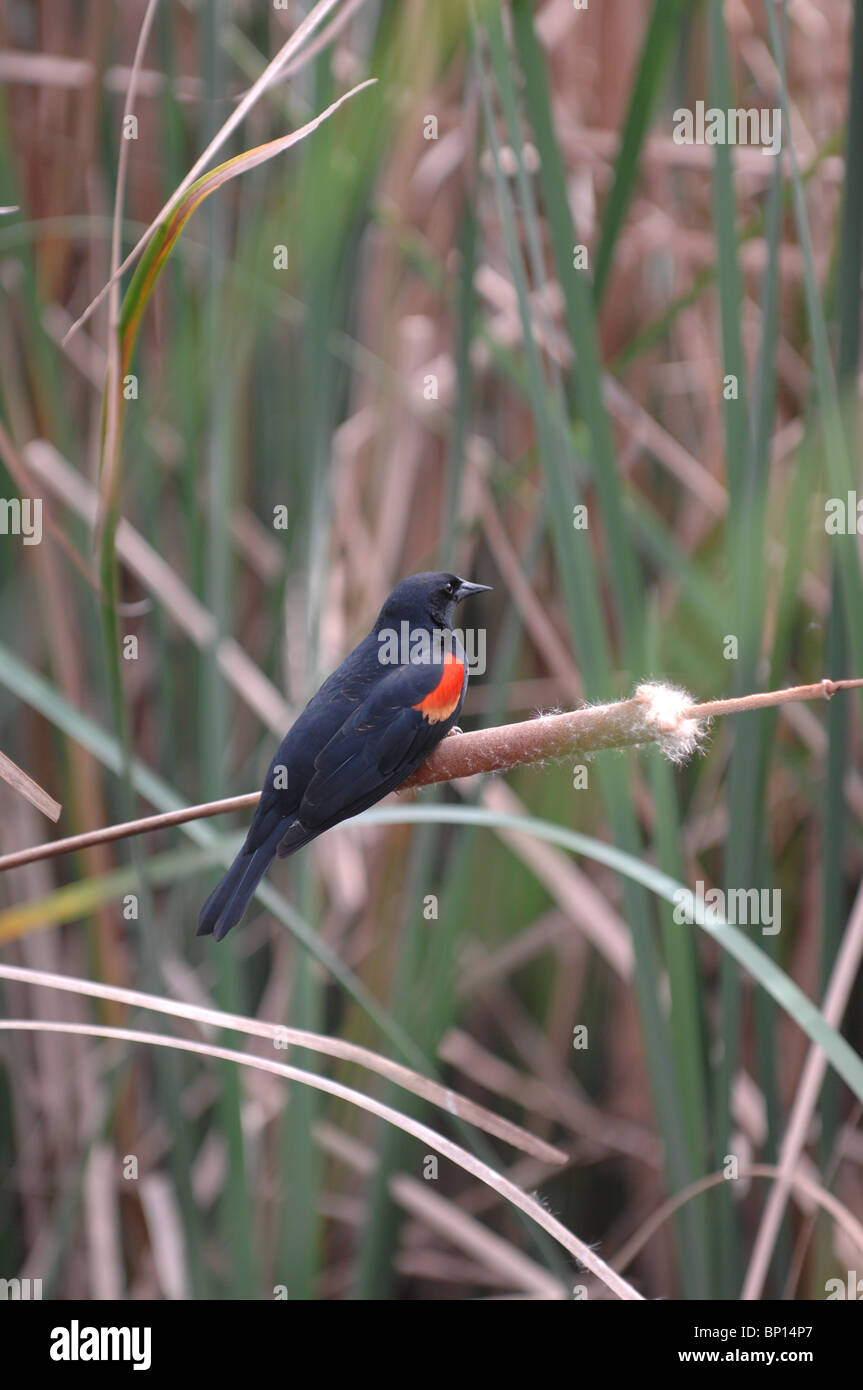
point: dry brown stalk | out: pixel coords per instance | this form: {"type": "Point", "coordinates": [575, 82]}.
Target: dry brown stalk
{"type": "Point", "coordinates": [10, 772]}
{"type": "Point", "coordinates": [659, 714]}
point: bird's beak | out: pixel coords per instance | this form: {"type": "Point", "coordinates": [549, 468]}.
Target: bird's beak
{"type": "Point", "coordinates": [465, 589]}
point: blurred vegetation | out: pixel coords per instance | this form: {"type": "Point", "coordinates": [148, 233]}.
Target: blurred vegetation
{"type": "Point", "coordinates": [388, 332]}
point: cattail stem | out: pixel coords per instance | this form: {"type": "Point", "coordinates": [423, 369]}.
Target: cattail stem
{"type": "Point", "coordinates": [656, 714]}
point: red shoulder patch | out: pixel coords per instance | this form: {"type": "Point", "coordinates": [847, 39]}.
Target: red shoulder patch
{"type": "Point", "coordinates": [441, 702]}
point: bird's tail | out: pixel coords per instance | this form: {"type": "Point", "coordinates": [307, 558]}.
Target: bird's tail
{"type": "Point", "coordinates": [227, 902]}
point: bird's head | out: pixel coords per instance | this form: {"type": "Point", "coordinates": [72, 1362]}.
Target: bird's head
{"type": "Point", "coordinates": [428, 597]}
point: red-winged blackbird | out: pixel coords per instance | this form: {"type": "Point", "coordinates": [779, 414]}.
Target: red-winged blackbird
{"type": "Point", "coordinates": [372, 722]}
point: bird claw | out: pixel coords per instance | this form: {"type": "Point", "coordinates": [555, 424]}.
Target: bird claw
{"type": "Point", "coordinates": [455, 730]}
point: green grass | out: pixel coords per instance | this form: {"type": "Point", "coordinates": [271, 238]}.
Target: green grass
{"type": "Point", "coordinates": [261, 387]}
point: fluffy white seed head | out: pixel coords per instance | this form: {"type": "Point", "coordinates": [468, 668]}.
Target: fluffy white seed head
{"type": "Point", "coordinates": [678, 733]}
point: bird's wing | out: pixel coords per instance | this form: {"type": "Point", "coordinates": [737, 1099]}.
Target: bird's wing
{"type": "Point", "coordinates": [380, 743]}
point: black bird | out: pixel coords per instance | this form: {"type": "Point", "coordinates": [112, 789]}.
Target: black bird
{"type": "Point", "coordinates": [373, 721]}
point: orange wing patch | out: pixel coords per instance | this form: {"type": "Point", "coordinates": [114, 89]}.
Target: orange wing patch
{"type": "Point", "coordinates": [441, 702]}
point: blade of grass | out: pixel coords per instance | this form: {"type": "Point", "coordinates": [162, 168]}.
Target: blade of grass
{"type": "Point", "coordinates": [574, 559]}
{"type": "Point", "coordinates": [662, 29]}
{"type": "Point", "coordinates": [738, 859]}
{"type": "Point", "coordinates": [735, 942]}
{"type": "Point", "coordinates": [530, 1205]}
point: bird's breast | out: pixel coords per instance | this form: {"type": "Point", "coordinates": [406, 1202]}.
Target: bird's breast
{"type": "Point", "coordinates": [442, 702]}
